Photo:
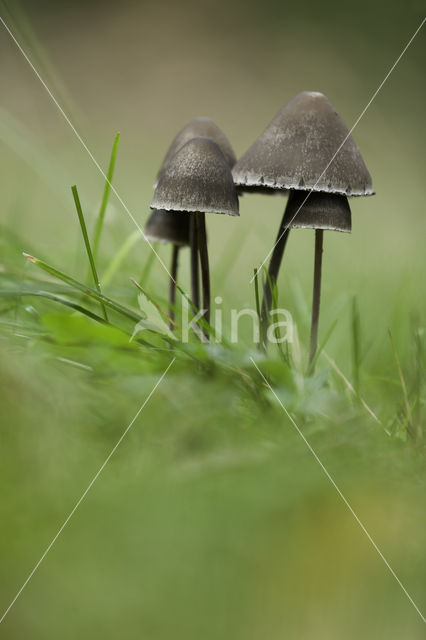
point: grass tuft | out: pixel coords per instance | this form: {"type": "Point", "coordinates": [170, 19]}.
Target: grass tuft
{"type": "Point", "coordinates": [88, 291]}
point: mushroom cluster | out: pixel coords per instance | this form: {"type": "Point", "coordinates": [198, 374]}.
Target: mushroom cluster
{"type": "Point", "coordinates": [306, 151]}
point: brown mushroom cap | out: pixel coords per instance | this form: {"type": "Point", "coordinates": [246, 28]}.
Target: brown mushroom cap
{"type": "Point", "coordinates": [167, 226]}
{"type": "Point", "coordinates": [200, 127]}
{"type": "Point", "coordinates": [310, 210]}
{"type": "Point", "coordinates": [296, 148]}
{"type": "Point", "coordinates": [197, 179]}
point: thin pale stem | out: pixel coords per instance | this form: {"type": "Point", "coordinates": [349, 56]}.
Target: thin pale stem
{"type": "Point", "coordinates": [172, 291]}
{"type": "Point", "coordinates": [319, 233]}
{"type": "Point", "coordinates": [195, 276]}
{"type": "Point", "coordinates": [204, 263]}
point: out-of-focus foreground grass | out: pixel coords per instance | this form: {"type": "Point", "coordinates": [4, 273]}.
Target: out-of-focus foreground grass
{"type": "Point", "coordinates": [213, 519]}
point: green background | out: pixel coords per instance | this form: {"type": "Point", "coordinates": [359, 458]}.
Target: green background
{"type": "Point", "coordinates": [213, 520]}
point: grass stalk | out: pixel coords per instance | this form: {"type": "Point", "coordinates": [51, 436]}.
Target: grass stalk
{"type": "Point", "coordinates": [148, 265]}
{"type": "Point", "coordinates": [119, 256]}
{"type": "Point", "coordinates": [105, 197]}
{"type": "Point", "coordinates": [87, 245]}
{"type": "Point", "coordinates": [256, 293]}
{"type": "Point", "coordinates": [409, 422]}
{"type": "Point", "coordinates": [319, 349]}
{"type": "Point", "coordinates": [356, 338]}
{"type": "Point", "coordinates": [172, 288]}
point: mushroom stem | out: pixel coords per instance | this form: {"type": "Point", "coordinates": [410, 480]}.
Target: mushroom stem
{"type": "Point", "coordinates": [173, 278]}
{"type": "Point", "coordinates": [319, 233]}
{"type": "Point", "coordinates": [204, 262]}
{"type": "Point", "coordinates": [273, 270]}
{"type": "Point", "coordinates": [195, 277]}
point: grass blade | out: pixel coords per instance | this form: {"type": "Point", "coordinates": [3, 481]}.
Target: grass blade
{"type": "Point", "coordinates": [409, 422]}
{"type": "Point", "coordinates": [121, 254]}
{"type": "Point", "coordinates": [341, 375]}
{"type": "Point", "coordinates": [356, 338]}
{"type": "Point", "coordinates": [91, 293]}
{"type": "Point", "coordinates": [321, 347]}
{"type": "Point", "coordinates": [256, 292]}
{"type": "Point", "coordinates": [148, 265]}
{"type": "Point", "coordinates": [51, 296]}
{"type": "Point", "coordinates": [87, 244]}
{"type": "Point", "coordinates": [105, 197]}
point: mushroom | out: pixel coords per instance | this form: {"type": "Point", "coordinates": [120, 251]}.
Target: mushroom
{"type": "Point", "coordinates": [308, 147]}
{"type": "Point", "coordinates": [319, 211]}
{"type": "Point", "coordinates": [197, 180]}
{"type": "Point", "coordinates": [164, 226]}
{"type": "Point", "coordinates": [204, 127]}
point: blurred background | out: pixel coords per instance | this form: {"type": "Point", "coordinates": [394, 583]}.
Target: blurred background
{"type": "Point", "coordinates": [145, 69]}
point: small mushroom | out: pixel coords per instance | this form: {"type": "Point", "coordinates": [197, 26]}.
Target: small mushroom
{"type": "Point", "coordinates": [308, 147]}
{"type": "Point", "coordinates": [197, 180]}
{"type": "Point", "coordinates": [165, 226]}
{"type": "Point", "coordinates": [204, 127]}
{"type": "Point", "coordinates": [319, 211]}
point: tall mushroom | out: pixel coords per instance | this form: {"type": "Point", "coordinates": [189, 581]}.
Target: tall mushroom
{"type": "Point", "coordinates": [164, 226]}
{"type": "Point", "coordinates": [204, 127]}
{"type": "Point", "coordinates": [308, 147]}
{"type": "Point", "coordinates": [197, 180]}
{"type": "Point", "coordinates": [319, 211]}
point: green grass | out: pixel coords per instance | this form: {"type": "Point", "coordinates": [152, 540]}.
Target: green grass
{"type": "Point", "coordinates": [212, 519]}
{"type": "Point", "coordinates": [105, 197]}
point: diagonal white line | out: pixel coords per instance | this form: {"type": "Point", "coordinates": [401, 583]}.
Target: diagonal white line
{"type": "Point", "coordinates": [334, 366]}
{"type": "Point", "coordinates": [339, 492]}
{"type": "Point", "coordinates": [84, 145]}
{"type": "Point", "coordinates": [348, 135]}
{"type": "Point", "coordinates": [86, 491]}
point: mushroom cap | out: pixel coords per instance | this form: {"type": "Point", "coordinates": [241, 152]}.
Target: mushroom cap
{"type": "Point", "coordinates": [166, 226]}
{"type": "Point", "coordinates": [296, 148]}
{"type": "Point", "coordinates": [310, 210]}
{"type": "Point", "coordinates": [197, 179]}
{"type": "Point", "coordinates": [200, 127]}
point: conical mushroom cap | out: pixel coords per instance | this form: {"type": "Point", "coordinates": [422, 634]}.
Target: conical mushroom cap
{"type": "Point", "coordinates": [197, 179]}
{"type": "Point", "coordinates": [310, 210]}
{"type": "Point", "coordinates": [168, 226]}
{"type": "Point", "coordinates": [205, 128]}
{"type": "Point", "coordinates": [296, 148]}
